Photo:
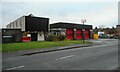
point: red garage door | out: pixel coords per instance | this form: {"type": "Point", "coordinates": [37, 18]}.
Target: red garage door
{"type": "Point", "coordinates": [78, 34]}
{"type": "Point", "coordinates": [69, 33]}
{"type": "Point", "coordinates": [87, 33]}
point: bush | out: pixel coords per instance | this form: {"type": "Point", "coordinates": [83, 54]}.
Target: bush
{"type": "Point", "coordinates": [52, 38]}
{"type": "Point", "coordinates": [61, 37]}
{"type": "Point", "coordinates": [56, 37]}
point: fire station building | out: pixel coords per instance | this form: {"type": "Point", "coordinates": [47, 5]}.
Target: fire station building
{"type": "Point", "coordinates": [72, 30]}
{"type": "Point", "coordinates": [31, 28]}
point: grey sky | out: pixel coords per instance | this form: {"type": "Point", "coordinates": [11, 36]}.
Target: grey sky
{"type": "Point", "coordinates": [96, 13]}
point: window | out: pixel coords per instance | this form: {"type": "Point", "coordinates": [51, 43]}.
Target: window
{"type": "Point", "coordinates": [4, 30]}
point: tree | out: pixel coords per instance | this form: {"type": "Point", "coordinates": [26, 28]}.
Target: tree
{"type": "Point", "coordinates": [101, 27]}
{"type": "Point", "coordinates": [96, 28]}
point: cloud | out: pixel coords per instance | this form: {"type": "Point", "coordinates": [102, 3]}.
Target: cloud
{"type": "Point", "coordinates": [107, 16]}
{"type": "Point", "coordinates": [60, 0]}
{"type": "Point", "coordinates": [95, 13]}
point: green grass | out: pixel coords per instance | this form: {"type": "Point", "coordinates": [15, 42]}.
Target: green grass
{"type": "Point", "coordinates": [33, 45]}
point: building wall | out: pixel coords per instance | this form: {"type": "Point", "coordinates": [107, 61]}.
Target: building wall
{"type": "Point", "coordinates": [22, 23]}
{"type": "Point", "coordinates": [31, 25]}
{"type": "Point", "coordinates": [17, 24]}
{"type": "Point", "coordinates": [11, 35]}
{"type": "Point", "coordinates": [72, 31]}
{"type": "Point", "coordinates": [36, 24]}
{"type": "Point", "coordinates": [118, 30]}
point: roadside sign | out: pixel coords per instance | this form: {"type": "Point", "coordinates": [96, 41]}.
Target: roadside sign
{"type": "Point", "coordinates": [95, 36]}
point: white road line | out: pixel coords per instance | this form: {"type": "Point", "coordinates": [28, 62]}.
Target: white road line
{"type": "Point", "coordinates": [96, 46]}
{"type": "Point", "coordinates": [15, 67]}
{"type": "Point", "coordinates": [65, 57]}
{"type": "Point", "coordinates": [114, 67]}
{"type": "Point", "coordinates": [90, 47]}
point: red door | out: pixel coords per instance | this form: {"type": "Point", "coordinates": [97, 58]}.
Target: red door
{"type": "Point", "coordinates": [78, 34]}
{"type": "Point", "coordinates": [26, 39]}
{"type": "Point", "coordinates": [87, 33]}
{"type": "Point", "coordinates": [70, 34]}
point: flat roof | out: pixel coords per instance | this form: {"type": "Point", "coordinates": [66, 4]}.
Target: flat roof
{"type": "Point", "coordinates": [9, 29]}
{"type": "Point", "coordinates": [118, 25]}
{"type": "Point", "coordinates": [70, 25]}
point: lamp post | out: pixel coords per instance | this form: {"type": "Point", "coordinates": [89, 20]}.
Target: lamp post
{"type": "Point", "coordinates": [83, 36]}
{"type": "Point", "coordinates": [83, 21]}
{"type": "Point", "coordinates": [83, 30]}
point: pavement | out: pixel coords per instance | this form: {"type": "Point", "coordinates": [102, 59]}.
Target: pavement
{"type": "Point", "coordinates": [96, 57]}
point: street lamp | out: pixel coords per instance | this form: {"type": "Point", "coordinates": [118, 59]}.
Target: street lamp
{"type": "Point", "coordinates": [83, 36]}
{"type": "Point", "coordinates": [83, 21]}
{"type": "Point", "coordinates": [83, 30]}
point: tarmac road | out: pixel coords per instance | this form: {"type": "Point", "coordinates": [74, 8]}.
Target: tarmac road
{"type": "Point", "coordinates": [101, 57]}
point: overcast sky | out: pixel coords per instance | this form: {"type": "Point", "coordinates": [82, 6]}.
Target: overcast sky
{"type": "Point", "coordinates": [96, 13]}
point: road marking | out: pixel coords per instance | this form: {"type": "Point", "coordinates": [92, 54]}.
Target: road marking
{"type": "Point", "coordinates": [65, 57]}
{"type": "Point", "coordinates": [114, 67]}
{"type": "Point", "coordinates": [105, 45]}
{"type": "Point", "coordinates": [97, 46]}
{"type": "Point", "coordinates": [16, 67]}
{"type": "Point", "coordinates": [89, 47]}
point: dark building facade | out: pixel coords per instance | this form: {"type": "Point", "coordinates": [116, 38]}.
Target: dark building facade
{"type": "Point", "coordinates": [71, 30]}
{"type": "Point", "coordinates": [11, 35]}
{"type": "Point", "coordinates": [36, 24]}
{"type": "Point", "coordinates": [32, 28]}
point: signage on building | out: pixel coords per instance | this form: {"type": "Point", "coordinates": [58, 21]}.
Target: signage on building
{"type": "Point", "coordinates": [7, 36]}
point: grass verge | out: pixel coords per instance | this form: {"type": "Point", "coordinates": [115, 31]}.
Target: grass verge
{"type": "Point", "coordinates": [37, 44]}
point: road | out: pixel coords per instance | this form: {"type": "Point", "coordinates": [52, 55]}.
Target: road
{"type": "Point", "coordinates": [101, 57]}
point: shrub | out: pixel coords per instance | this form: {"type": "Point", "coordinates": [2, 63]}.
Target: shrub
{"type": "Point", "coordinates": [61, 37]}
{"type": "Point", "coordinates": [56, 37]}
{"type": "Point", "coordinates": [52, 38]}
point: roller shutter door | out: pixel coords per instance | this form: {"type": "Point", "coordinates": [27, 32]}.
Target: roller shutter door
{"type": "Point", "coordinates": [87, 33]}
{"type": "Point", "coordinates": [69, 34]}
{"type": "Point", "coordinates": [79, 34]}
